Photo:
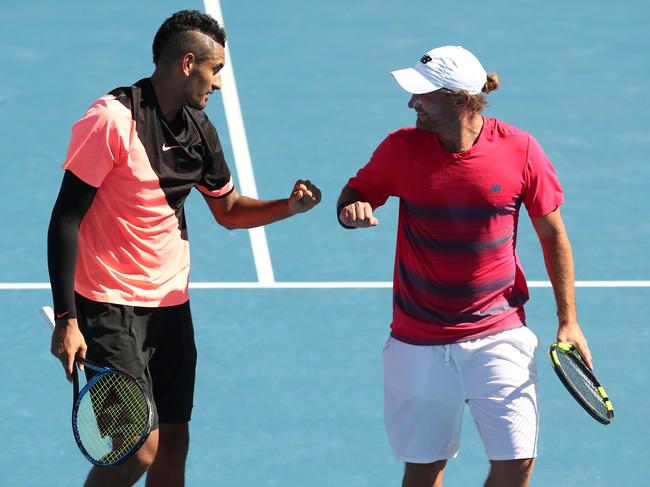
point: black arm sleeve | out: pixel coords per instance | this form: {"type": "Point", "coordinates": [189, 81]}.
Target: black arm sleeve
{"type": "Point", "coordinates": [71, 205]}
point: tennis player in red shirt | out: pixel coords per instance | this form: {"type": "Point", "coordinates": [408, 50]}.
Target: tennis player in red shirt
{"type": "Point", "coordinates": [458, 333]}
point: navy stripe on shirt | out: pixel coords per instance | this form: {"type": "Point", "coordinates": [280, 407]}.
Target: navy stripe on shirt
{"type": "Point", "coordinates": [427, 315]}
{"type": "Point", "coordinates": [411, 279]}
{"type": "Point", "coordinates": [455, 246]}
{"type": "Point", "coordinates": [451, 213]}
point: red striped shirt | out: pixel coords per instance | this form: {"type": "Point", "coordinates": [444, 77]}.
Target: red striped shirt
{"type": "Point", "coordinates": [457, 275]}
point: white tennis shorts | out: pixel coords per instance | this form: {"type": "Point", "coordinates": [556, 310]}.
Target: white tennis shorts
{"type": "Point", "coordinates": [426, 388]}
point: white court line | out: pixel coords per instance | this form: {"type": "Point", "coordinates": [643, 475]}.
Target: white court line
{"type": "Point", "coordinates": [242, 156]}
{"type": "Point", "coordinates": [16, 286]}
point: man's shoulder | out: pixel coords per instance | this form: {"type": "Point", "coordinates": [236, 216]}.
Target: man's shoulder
{"type": "Point", "coordinates": [106, 112]}
{"type": "Point", "coordinates": [403, 137]}
{"type": "Point", "coordinates": [115, 105]}
{"type": "Point", "coordinates": [405, 133]}
{"type": "Point", "coordinates": [111, 103]}
{"type": "Point", "coordinates": [504, 129]}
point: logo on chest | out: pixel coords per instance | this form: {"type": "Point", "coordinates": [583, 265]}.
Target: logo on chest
{"type": "Point", "coordinates": [166, 147]}
{"type": "Point", "coordinates": [496, 188]}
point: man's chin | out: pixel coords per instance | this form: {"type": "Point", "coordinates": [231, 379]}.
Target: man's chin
{"type": "Point", "coordinates": [198, 104]}
{"type": "Point", "coordinates": [422, 125]}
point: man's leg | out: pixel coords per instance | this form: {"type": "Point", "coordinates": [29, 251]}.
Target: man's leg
{"type": "Point", "coordinates": [424, 474]}
{"type": "Point", "coordinates": [116, 337]}
{"type": "Point", "coordinates": [173, 370]}
{"type": "Point", "coordinates": [168, 469]}
{"type": "Point", "coordinates": [129, 472]}
{"type": "Point", "coordinates": [423, 409]}
{"type": "Point", "coordinates": [510, 473]}
{"type": "Point", "coordinates": [501, 379]}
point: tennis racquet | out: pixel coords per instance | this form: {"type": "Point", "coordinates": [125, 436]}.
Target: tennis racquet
{"type": "Point", "coordinates": [111, 415]}
{"type": "Point", "coordinates": [580, 382]}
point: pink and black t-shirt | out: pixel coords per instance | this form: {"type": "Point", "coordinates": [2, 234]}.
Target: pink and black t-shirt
{"type": "Point", "coordinates": [457, 275]}
{"type": "Point", "coordinates": [133, 246]}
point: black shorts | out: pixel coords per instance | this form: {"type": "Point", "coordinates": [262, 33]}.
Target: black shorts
{"type": "Point", "coordinates": [156, 345]}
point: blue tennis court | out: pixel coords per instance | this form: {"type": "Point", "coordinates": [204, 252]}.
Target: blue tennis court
{"type": "Point", "coordinates": [289, 385]}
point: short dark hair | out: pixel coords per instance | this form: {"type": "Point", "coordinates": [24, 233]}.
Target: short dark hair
{"type": "Point", "coordinates": [176, 35]}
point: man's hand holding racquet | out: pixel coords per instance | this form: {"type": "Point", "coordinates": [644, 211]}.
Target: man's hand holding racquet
{"type": "Point", "coordinates": [68, 343]}
{"type": "Point", "coordinates": [572, 333]}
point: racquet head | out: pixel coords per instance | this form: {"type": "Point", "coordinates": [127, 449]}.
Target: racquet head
{"type": "Point", "coordinates": [581, 382]}
{"type": "Point", "coordinates": [111, 416]}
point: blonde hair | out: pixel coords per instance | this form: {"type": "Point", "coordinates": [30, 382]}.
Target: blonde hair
{"type": "Point", "coordinates": [478, 103]}
{"type": "Point", "coordinates": [492, 83]}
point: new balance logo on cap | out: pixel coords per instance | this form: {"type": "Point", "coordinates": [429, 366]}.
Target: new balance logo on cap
{"type": "Point", "coordinates": [425, 59]}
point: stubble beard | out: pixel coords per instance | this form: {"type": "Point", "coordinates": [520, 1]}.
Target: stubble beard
{"type": "Point", "coordinates": [197, 104]}
{"type": "Point", "coordinates": [424, 125]}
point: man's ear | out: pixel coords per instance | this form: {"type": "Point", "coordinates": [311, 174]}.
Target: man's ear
{"type": "Point", "coordinates": [461, 100]}
{"type": "Point", "coordinates": [187, 63]}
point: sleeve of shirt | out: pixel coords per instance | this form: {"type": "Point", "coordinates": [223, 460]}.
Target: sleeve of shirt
{"type": "Point", "coordinates": [74, 200]}
{"type": "Point", "coordinates": [375, 181]}
{"type": "Point", "coordinates": [542, 190]}
{"type": "Point", "coordinates": [216, 181]}
{"type": "Point", "coordinates": [99, 140]}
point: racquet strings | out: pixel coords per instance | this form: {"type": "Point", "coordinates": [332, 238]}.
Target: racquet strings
{"type": "Point", "coordinates": [111, 418]}
{"type": "Point", "coordinates": [581, 383]}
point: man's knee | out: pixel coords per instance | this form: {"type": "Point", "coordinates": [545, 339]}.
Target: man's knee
{"type": "Point", "coordinates": [507, 473]}
{"type": "Point", "coordinates": [146, 455]}
{"type": "Point", "coordinates": [521, 465]}
{"type": "Point", "coordinates": [174, 442]}
{"type": "Point", "coordinates": [423, 474]}
{"type": "Point", "coordinates": [128, 472]}
{"type": "Point", "coordinates": [169, 466]}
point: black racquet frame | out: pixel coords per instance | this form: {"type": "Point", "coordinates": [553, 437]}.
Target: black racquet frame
{"type": "Point", "coordinates": [571, 352]}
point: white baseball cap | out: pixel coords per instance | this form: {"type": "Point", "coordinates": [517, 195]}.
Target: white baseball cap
{"type": "Point", "coordinates": [451, 67]}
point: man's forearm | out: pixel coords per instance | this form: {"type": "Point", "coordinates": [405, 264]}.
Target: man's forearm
{"type": "Point", "coordinates": [558, 258]}
{"type": "Point", "coordinates": [249, 212]}
{"type": "Point", "coordinates": [73, 201]}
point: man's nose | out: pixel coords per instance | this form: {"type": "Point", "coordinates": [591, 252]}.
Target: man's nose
{"type": "Point", "coordinates": [414, 101]}
{"type": "Point", "coordinates": [216, 82]}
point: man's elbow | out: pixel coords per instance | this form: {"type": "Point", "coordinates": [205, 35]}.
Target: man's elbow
{"type": "Point", "coordinates": [229, 223]}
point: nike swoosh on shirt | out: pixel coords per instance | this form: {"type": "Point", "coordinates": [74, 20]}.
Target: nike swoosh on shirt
{"type": "Point", "coordinates": [61, 315]}
{"type": "Point", "coordinates": [166, 147]}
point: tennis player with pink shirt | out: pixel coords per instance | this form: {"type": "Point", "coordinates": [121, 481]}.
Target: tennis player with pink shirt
{"type": "Point", "coordinates": [118, 248]}
{"type": "Point", "coordinates": [458, 332]}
